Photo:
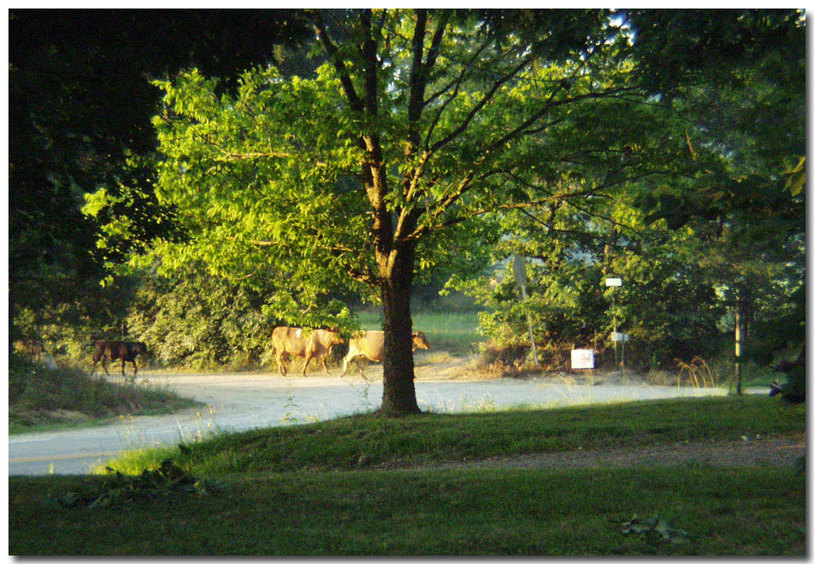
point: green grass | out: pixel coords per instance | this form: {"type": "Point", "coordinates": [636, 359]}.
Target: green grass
{"type": "Point", "coordinates": [484, 512]}
{"type": "Point", "coordinates": [455, 332]}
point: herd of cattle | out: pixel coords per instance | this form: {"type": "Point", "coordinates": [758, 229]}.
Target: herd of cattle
{"type": "Point", "coordinates": [287, 341]}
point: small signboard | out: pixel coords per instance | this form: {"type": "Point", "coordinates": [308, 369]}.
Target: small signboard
{"type": "Point", "coordinates": [619, 337]}
{"type": "Point", "coordinates": [613, 281]}
{"type": "Point", "coordinates": [582, 358]}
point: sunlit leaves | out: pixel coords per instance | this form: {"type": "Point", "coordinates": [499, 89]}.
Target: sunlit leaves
{"type": "Point", "coordinates": [258, 180]}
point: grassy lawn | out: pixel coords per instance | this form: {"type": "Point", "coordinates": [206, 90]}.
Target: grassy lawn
{"type": "Point", "coordinates": [314, 490]}
{"type": "Point", "coordinates": [341, 444]}
{"type": "Point", "coordinates": [578, 512]}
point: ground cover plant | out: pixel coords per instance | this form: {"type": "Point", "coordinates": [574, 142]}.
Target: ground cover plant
{"type": "Point", "coordinates": [351, 487]}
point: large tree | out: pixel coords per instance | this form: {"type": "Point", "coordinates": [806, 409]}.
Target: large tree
{"type": "Point", "coordinates": [741, 97]}
{"type": "Point", "coordinates": [420, 122]}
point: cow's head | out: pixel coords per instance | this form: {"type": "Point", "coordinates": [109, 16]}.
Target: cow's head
{"type": "Point", "coordinates": [420, 341]}
{"type": "Point", "coordinates": [335, 337]}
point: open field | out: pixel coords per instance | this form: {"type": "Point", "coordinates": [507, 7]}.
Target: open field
{"type": "Point", "coordinates": [455, 332]}
{"type": "Point", "coordinates": [366, 485]}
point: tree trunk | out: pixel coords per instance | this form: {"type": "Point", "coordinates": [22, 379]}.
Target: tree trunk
{"type": "Point", "coordinates": [398, 396]}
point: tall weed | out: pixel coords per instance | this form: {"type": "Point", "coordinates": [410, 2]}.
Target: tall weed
{"type": "Point", "coordinates": [697, 373]}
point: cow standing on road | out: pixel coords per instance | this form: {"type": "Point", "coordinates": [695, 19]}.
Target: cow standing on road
{"type": "Point", "coordinates": [127, 351]}
{"type": "Point", "coordinates": [294, 341]}
{"type": "Point", "coordinates": [370, 345]}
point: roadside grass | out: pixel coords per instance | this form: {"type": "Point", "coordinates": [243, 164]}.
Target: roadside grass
{"type": "Point", "coordinates": [455, 332]}
{"type": "Point", "coordinates": [341, 488]}
{"type": "Point", "coordinates": [41, 398]}
{"type": "Point", "coordinates": [369, 441]}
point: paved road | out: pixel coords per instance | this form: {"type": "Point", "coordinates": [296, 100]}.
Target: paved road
{"type": "Point", "coordinates": [235, 402]}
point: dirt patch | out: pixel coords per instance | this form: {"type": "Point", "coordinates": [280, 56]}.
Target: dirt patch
{"type": "Point", "coordinates": [28, 417]}
{"type": "Point", "coordinates": [768, 452]}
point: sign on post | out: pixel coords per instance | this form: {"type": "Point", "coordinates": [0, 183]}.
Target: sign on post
{"type": "Point", "coordinates": [582, 359]}
{"type": "Point", "coordinates": [613, 281]}
{"type": "Point", "coordinates": [617, 337]}
{"type": "Point", "coordinates": [519, 270]}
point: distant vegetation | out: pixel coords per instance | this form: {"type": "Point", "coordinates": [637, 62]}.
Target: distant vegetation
{"type": "Point", "coordinates": [455, 332]}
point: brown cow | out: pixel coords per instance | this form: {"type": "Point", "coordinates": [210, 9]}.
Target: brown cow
{"type": "Point", "coordinates": [371, 346]}
{"type": "Point", "coordinates": [296, 342]}
{"type": "Point", "coordinates": [127, 351]}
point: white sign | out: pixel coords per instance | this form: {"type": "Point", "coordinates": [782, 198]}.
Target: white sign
{"type": "Point", "coordinates": [582, 358]}
{"type": "Point", "coordinates": [619, 337]}
{"type": "Point", "coordinates": [613, 281]}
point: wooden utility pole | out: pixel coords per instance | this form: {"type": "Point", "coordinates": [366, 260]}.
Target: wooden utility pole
{"type": "Point", "coordinates": [738, 331]}
{"type": "Point", "coordinates": [519, 269]}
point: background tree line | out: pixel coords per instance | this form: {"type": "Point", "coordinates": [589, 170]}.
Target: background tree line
{"type": "Point", "coordinates": [663, 147]}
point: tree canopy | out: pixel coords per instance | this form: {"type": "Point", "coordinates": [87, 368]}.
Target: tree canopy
{"type": "Point", "coordinates": [419, 123]}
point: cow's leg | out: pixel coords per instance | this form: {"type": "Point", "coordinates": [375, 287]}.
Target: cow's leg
{"type": "Point", "coordinates": [280, 364]}
{"type": "Point", "coordinates": [104, 365]}
{"type": "Point", "coordinates": [124, 359]}
{"type": "Point", "coordinates": [325, 364]}
{"type": "Point", "coordinates": [345, 365]}
{"type": "Point", "coordinates": [355, 360]}
{"type": "Point", "coordinates": [135, 368]}
{"type": "Point", "coordinates": [308, 358]}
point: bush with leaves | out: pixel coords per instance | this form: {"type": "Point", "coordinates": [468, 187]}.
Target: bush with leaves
{"type": "Point", "coordinates": [201, 321]}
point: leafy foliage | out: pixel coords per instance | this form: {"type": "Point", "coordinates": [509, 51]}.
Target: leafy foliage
{"type": "Point", "coordinates": [717, 161]}
{"type": "Point", "coordinates": [654, 529]}
{"type": "Point", "coordinates": [200, 321]}
{"type": "Point", "coordinates": [79, 110]}
{"type": "Point", "coordinates": [664, 303]}
{"type": "Point", "coordinates": [167, 482]}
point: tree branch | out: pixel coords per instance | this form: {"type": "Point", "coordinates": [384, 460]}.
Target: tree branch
{"type": "Point", "coordinates": [478, 107]}
{"type": "Point", "coordinates": [333, 54]}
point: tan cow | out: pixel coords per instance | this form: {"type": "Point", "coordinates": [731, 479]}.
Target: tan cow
{"type": "Point", "coordinates": [370, 345]}
{"type": "Point", "coordinates": [296, 342]}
